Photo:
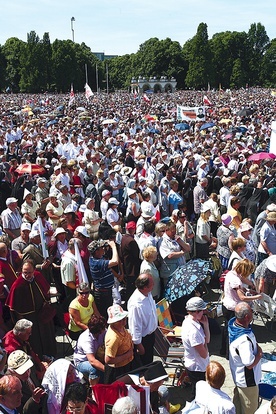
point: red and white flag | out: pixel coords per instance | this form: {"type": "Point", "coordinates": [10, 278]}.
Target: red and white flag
{"type": "Point", "coordinates": [146, 98]}
{"type": "Point", "coordinates": [206, 101]}
{"type": "Point", "coordinates": [88, 91]}
{"type": "Point", "coordinates": [72, 96]}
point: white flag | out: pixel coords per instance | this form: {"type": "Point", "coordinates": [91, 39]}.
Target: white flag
{"type": "Point", "coordinates": [80, 266]}
{"type": "Point", "coordinates": [72, 96]}
{"type": "Point", "coordinates": [88, 91]}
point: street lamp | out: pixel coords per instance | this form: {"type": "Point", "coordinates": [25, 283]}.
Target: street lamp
{"type": "Point", "coordinates": [72, 27]}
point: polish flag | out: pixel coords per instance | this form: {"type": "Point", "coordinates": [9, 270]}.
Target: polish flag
{"type": "Point", "coordinates": [72, 96]}
{"type": "Point", "coordinates": [206, 101]}
{"type": "Point", "coordinates": [146, 98]}
{"type": "Point", "coordinates": [88, 91]}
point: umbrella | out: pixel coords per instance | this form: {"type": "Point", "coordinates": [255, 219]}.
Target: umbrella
{"type": "Point", "coordinates": [186, 278]}
{"type": "Point", "coordinates": [225, 121]}
{"type": "Point", "coordinates": [81, 108]}
{"type": "Point", "coordinates": [244, 112]}
{"type": "Point", "coordinates": [182, 127]}
{"type": "Point", "coordinates": [108, 121]}
{"type": "Point", "coordinates": [154, 131]}
{"type": "Point", "coordinates": [242, 129]}
{"type": "Point", "coordinates": [51, 122]}
{"type": "Point", "coordinates": [261, 156]}
{"type": "Point", "coordinates": [167, 121]}
{"type": "Point", "coordinates": [206, 126]}
{"type": "Point", "coordinates": [31, 169]}
{"type": "Point", "coordinates": [149, 117]}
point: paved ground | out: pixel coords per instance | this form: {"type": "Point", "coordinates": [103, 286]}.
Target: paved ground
{"type": "Point", "coordinates": [265, 337]}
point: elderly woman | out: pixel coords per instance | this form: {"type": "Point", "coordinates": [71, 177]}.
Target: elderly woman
{"type": "Point", "coordinates": [245, 232]}
{"type": "Point", "coordinates": [72, 219]}
{"type": "Point", "coordinates": [29, 207]}
{"type": "Point", "coordinates": [203, 237]}
{"type": "Point", "coordinates": [133, 210]}
{"type": "Point", "coordinates": [91, 219]}
{"type": "Point", "coordinates": [112, 215]}
{"type": "Point", "coordinates": [54, 209]}
{"type": "Point", "coordinates": [234, 293]}
{"type": "Point", "coordinates": [265, 276]}
{"type": "Point", "coordinates": [118, 345]}
{"type": "Point", "coordinates": [185, 230]}
{"type": "Point", "coordinates": [89, 352]}
{"type": "Point", "coordinates": [81, 309]}
{"type": "Point", "coordinates": [148, 266]}
{"type": "Point", "coordinates": [225, 237]}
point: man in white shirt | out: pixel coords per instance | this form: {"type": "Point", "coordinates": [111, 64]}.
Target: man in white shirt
{"type": "Point", "coordinates": [142, 317]}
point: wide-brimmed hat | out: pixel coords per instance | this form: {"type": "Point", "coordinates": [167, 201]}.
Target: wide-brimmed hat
{"type": "Point", "coordinates": [69, 209]}
{"type": "Point", "coordinates": [226, 219]}
{"type": "Point", "coordinates": [245, 226]}
{"type": "Point", "coordinates": [271, 216]}
{"type": "Point", "coordinates": [131, 191]}
{"type": "Point", "coordinates": [271, 263]}
{"type": "Point", "coordinates": [87, 201]}
{"type": "Point", "coordinates": [205, 207]}
{"type": "Point", "coordinates": [113, 200]}
{"type": "Point", "coordinates": [271, 207]}
{"type": "Point", "coordinates": [126, 170]}
{"type": "Point", "coordinates": [116, 314]}
{"type": "Point", "coordinates": [147, 212]}
{"type": "Point", "coordinates": [19, 362]}
{"type": "Point", "coordinates": [82, 230]}
{"type": "Point", "coordinates": [195, 304]}
{"type": "Point", "coordinates": [59, 230]}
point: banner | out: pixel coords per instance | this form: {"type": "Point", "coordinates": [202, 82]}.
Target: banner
{"type": "Point", "coordinates": [80, 266]}
{"type": "Point", "coordinates": [43, 239]}
{"type": "Point", "coordinates": [187, 113]}
{"type": "Point", "coordinates": [272, 147]}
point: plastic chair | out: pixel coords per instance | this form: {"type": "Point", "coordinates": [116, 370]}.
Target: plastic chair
{"type": "Point", "coordinates": [266, 309]}
{"type": "Point", "coordinates": [71, 343]}
{"type": "Point", "coordinates": [266, 392]}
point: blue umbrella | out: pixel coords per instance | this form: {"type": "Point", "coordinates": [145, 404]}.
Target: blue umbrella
{"type": "Point", "coordinates": [185, 279]}
{"type": "Point", "coordinates": [182, 127]}
{"type": "Point", "coordinates": [154, 130]}
{"type": "Point", "coordinates": [242, 129]}
{"type": "Point", "coordinates": [52, 122]}
{"type": "Point", "coordinates": [206, 126]}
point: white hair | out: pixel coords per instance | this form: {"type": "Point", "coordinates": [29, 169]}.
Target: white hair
{"type": "Point", "coordinates": [124, 405]}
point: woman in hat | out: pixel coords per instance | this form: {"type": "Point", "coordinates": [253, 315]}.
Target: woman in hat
{"type": "Point", "coordinates": [245, 232]}
{"type": "Point", "coordinates": [118, 345]}
{"type": "Point", "coordinates": [91, 219]}
{"type": "Point", "coordinates": [203, 237]}
{"type": "Point", "coordinates": [46, 225]}
{"type": "Point", "coordinates": [265, 276]}
{"type": "Point", "coordinates": [54, 209]}
{"type": "Point", "coordinates": [112, 215]}
{"type": "Point", "coordinates": [149, 254]}
{"type": "Point", "coordinates": [133, 210]}
{"type": "Point", "coordinates": [72, 219]}
{"type": "Point", "coordinates": [225, 237]}
{"type": "Point", "coordinates": [29, 207]}
{"type": "Point", "coordinates": [81, 309]}
{"type": "Point", "coordinates": [267, 245]}
{"type": "Point", "coordinates": [195, 338]}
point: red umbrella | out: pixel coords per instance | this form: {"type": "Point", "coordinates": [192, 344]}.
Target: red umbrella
{"type": "Point", "coordinates": [31, 169]}
{"type": "Point", "coordinates": [261, 156]}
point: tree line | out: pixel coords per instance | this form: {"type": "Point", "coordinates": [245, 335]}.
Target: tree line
{"type": "Point", "coordinates": [230, 59]}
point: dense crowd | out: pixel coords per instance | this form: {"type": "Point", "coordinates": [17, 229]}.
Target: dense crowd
{"type": "Point", "coordinates": [101, 201]}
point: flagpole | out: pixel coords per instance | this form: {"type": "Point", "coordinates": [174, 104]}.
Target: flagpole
{"type": "Point", "coordinates": [107, 78]}
{"type": "Point", "coordinates": [86, 77]}
{"type": "Point", "coordinates": [97, 79]}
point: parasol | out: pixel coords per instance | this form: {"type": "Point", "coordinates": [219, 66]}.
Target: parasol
{"type": "Point", "coordinates": [31, 169]}
{"type": "Point", "coordinates": [261, 156]}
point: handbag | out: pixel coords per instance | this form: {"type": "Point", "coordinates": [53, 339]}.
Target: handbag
{"type": "Point", "coordinates": [46, 313]}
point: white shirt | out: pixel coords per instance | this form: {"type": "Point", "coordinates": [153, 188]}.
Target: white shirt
{"type": "Point", "coordinates": [193, 335]}
{"type": "Point", "coordinates": [142, 316]}
{"type": "Point", "coordinates": [216, 401]}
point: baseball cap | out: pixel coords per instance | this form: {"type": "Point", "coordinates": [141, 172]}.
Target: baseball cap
{"type": "Point", "coordinates": [19, 362]}
{"type": "Point", "coordinates": [105, 193]}
{"type": "Point", "coordinates": [131, 225]}
{"type": "Point", "coordinates": [82, 230]}
{"type": "Point", "coordinates": [26, 226]}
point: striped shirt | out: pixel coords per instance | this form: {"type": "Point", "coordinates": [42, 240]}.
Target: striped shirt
{"type": "Point", "coordinates": [102, 276]}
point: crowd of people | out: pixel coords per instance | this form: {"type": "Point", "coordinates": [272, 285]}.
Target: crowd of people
{"type": "Point", "coordinates": [135, 193]}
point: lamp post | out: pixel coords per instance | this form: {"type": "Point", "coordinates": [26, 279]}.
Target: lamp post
{"type": "Point", "coordinates": [72, 28]}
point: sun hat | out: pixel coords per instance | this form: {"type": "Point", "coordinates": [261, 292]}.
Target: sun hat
{"type": "Point", "coordinates": [82, 208]}
{"type": "Point", "coordinates": [271, 216]}
{"type": "Point", "coordinates": [41, 180]}
{"type": "Point", "coordinates": [19, 362]}
{"type": "Point", "coordinates": [245, 226]}
{"type": "Point", "coordinates": [126, 170]}
{"type": "Point", "coordinates": [142, 179]}
{"type": "Point", "coordinates": [69, 209]}
{"type": "Point", "coordinates": [195, 304]}
{"type": "Point", "coordinates": [130, 191]}
{"type": "Point", "coordinates": [117, 168]}
{"type": "Point", "coordinates": [105, 193]}
{"type": "Point", "coordinates": [87, 201]}
{"type": "Point", "coordinates": [271, 263]}
{"type": "Point", "coordinates": [147, 212]}
{"type": "Point", "coordinates": [271, 207]}
{"type": "Point", "coordinates": [205, 207]}
{"type": "Point", "coordinates": [59, 230]}
{"type": "Point", "coordinates": [82, 230]}
{"type": "Point", "coordinates": [33, 234]}
{"type": "Point", "coordinates": [116, 314]}
{"type": "Point", "coordinates": [226, 219]}
{"type": "Point", "coordinates": [53, 193]}
{"type": "Point", "coordinates": [113, 200]}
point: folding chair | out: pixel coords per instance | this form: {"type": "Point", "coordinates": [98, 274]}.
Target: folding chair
{"type": "Point", "coordinates": [171, 356]}
{"type": "Point", "coordinates": [266, 309]}
{"type": "Point", "coordinates": [165, 321]}
{"type": "Point", "coordinates": [71, 343]}
{"type": "Point", "coordinates": [266, 392]}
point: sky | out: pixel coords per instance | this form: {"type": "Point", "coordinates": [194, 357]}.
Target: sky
{"type": "Point", "coordinates": [118, 27]}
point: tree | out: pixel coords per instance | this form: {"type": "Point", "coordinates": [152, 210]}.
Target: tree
{"type": "Point", "coordinates": [12, 51]}
{"type": "Point", "coordinates": [258, 42]}
{"type": "Point", "coordinates": [200, 70]}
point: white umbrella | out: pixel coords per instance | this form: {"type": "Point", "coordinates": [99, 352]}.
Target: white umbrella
{"type": "Point", "coordinates": [109, 121]}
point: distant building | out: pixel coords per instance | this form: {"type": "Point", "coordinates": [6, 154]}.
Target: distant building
{"type": "Point", "coordinates": [101, 56]}
{"type": "Point", "coordinates": [153, 84]}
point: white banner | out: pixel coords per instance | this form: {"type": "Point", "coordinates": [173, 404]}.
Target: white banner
{"type": "Point", "coordinates": [189, 113]}
{"type": "Point", "coordinates": [272, 147]}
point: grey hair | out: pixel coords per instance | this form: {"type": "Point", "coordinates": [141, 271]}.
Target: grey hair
{"type": "Point", "coordinates": [124, 405]}
{"type": "Point", "coordinates": [242, 309]}
{"type": "Point", "coordinates": [21, 326]}
{"type": "Point", "coordinates": [83, 287]}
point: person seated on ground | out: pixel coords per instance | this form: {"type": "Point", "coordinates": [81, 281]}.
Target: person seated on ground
{"type": "Point", "coordinates": [60, 374]}
{"type": "Point", "coordinates": [33, 396]}
{"type": "Point", "coordinates": [77, 400]}
{"type": "Point", "coordinates": [18, 339]}
{"type": "Point", "coordinates": [208, 393]}
{"type": "Point", "coordinates": [89, 351]}
{"type": "Point", "coordinates": [152, 375]}
{"type": "Point", "coordinates": [81, 309]}
{"type": "Point", "coordinates": [124, 405]}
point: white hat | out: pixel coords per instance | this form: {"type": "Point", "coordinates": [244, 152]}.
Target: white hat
{"type": "Point", "coordinates": [116, 314]}
{"type": "Point", "coordinates": [271, 207]}
{"type": "Point", "coordinates": [19, 362]}
{"type": "Point", "coordinates": [82, 208]}
{"type": "Point", "coordinates": [87, 201]}
{"type": "Point", "coordinates": [53, 193]}
{"type": "Point", "coordinates": [117, 167]}
{"type": "Point", "coordinates": [245, 226]}
{"type": "Point", "coordinates": [34, 233]}
{"type": "Point", "coordinates": [56, 167]}
{"type": "Point", "coordinates": [195, 304]}
{"type": "Point", "coordinates": [69, 209]}
{"type": "Point", "coordinates": [205, 207]}
{"type": "Point", "coordinates": [82, 230]}
{"type": "Point", "coordinates": [59, 230]}
{"type": "Point", "coordinates": [202, 162]}
{"type": "Point", "coordinates": [106, 192]}
{"type": "Point", "coordinates": [11, 200]}
{"type": "Point", "coordinates": [147, 212]}
{"type": "Point", "coordinates": [113, 200]}
{"type": "Point", "coordinates": [126, 170]}
{"type": "Point", "coordinates": [41, 180]}
{"type": "Point", "coordinates": [271, 263]}
{"type": "Point", "coordinates": [130, 191]}
{"type": "Point", "coordinates": [26, 226]}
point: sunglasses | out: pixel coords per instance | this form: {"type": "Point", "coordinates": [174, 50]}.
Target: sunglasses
{"type": "Point", "coordinates": [84, 293]}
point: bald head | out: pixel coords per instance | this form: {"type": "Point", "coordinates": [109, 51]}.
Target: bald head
{"type": "Point", "coordinates": [243, 313]}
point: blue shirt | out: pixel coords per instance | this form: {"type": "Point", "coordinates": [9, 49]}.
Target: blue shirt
{"type": "Point", "coordinates": [102, 276]}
